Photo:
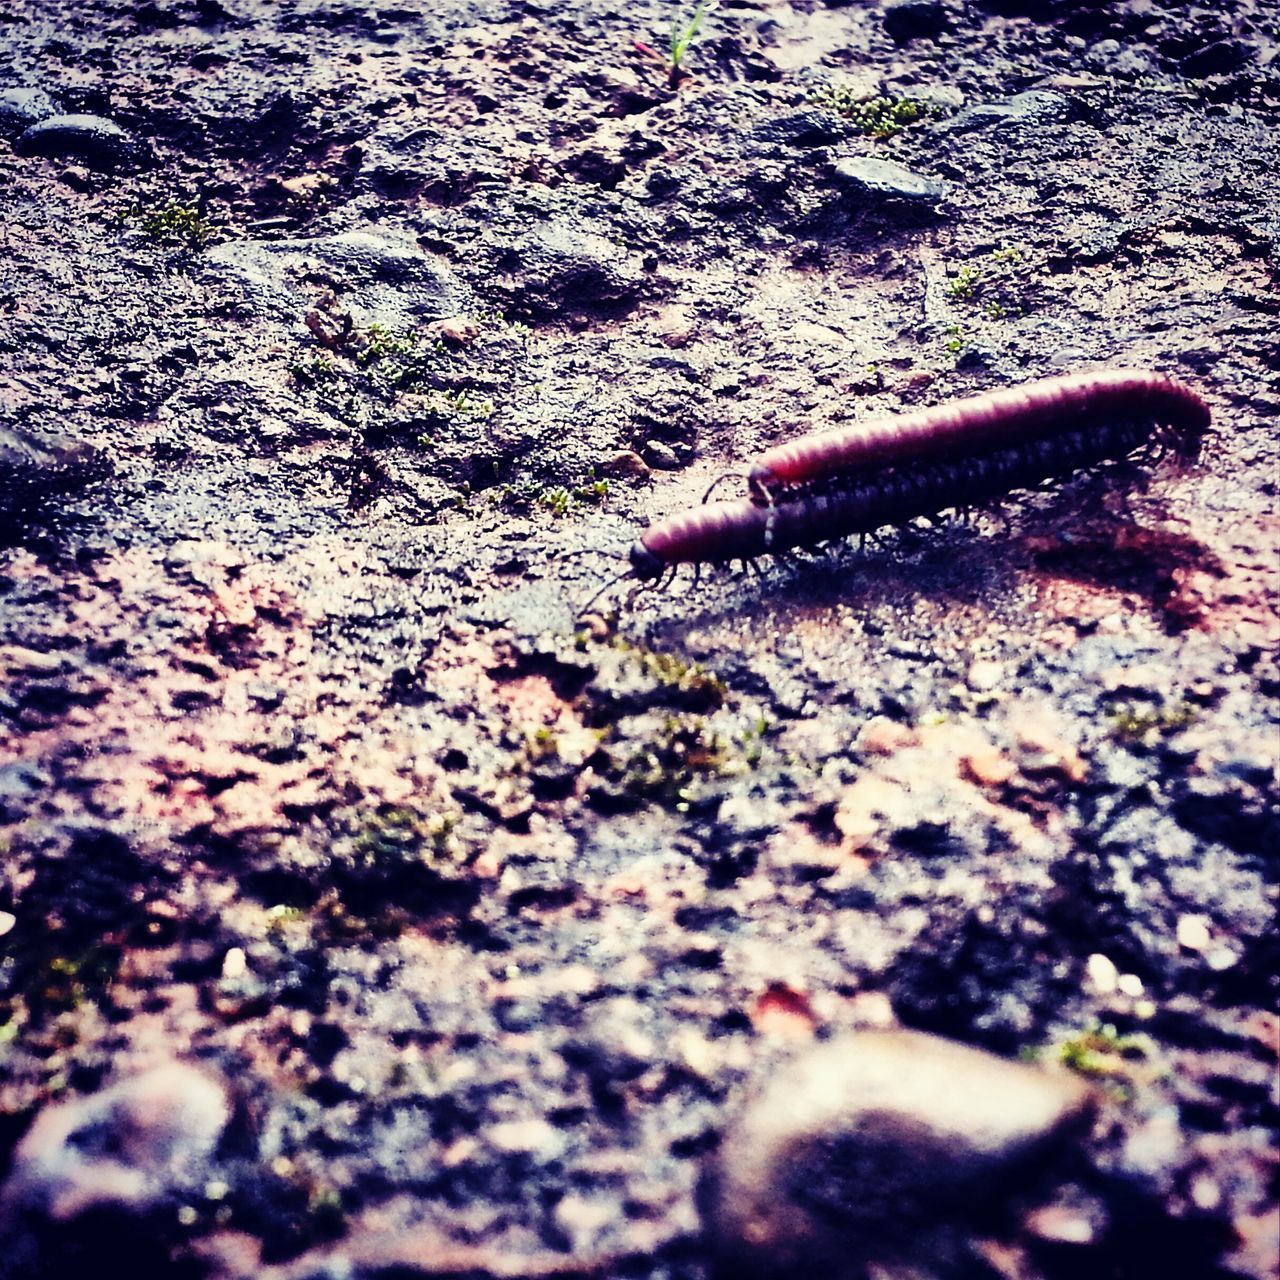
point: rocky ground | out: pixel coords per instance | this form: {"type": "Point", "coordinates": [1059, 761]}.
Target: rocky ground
{"type": "Point", "coordinates": [368, 909]}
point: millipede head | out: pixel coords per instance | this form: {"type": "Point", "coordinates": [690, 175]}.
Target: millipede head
{"type": "Point", "coordinates": [645, 565]}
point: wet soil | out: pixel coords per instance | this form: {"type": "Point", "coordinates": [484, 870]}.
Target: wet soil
{"type": "Point", "coordinates": [337, 390]}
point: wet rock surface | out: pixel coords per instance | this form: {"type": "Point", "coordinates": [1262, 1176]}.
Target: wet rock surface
{"type": "Point", "coordinates": [317, 433]}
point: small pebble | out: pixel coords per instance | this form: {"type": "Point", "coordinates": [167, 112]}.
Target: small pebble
{"type": "Point", "coordinates": [1193, 933]}
{"type": "Point", "coordinates": [906, 20]}
{"type": "Point", "coordinates": [661, 456]}
{"type": "Point", "coordinates": [1129, 984]}
{"type": "Point", "coordinates": [234, 964]}
{"type": "Point", "coordinates": [1102, 973]}
{"type": "Point", "coordinates": [985, 675]}
{"type": "Point", "coordinates": [7, 921]}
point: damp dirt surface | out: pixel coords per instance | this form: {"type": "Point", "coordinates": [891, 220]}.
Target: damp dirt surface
{"type": "Point", "coordinates": [346, 348]}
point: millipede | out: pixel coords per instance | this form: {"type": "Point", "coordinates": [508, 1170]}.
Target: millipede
{"type": "Point", "coordinates": [830, 485]}
{"type": "Point", "coordinates": [1090, 402]}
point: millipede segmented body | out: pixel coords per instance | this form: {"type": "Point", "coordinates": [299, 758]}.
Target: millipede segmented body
{"type": "Point", "coordinates": [1009, 417]}
{"type": "Point", "coordinates": [823, 487]}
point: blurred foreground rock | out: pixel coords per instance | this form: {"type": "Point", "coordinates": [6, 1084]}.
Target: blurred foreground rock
{"type": "Point", "coordinates": [119, 1154]}
{"type": "Point", "coordinates": [879, 1146]}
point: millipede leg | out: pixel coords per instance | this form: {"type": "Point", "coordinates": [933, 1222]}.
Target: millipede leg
{"type": "Point", "coordinates": [718, 481]}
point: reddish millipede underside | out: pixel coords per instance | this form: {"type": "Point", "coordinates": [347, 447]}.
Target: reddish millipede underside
{"type": "Point", "coordinates": [1084, 401]}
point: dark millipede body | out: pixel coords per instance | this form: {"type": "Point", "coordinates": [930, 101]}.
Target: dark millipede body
{"type": "Point", "coordinates": [1087, 402]}
{"type": "Point", "coordinates": [860, 502]}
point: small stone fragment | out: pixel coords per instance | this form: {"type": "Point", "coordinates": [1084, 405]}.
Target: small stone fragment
{"type": "Point", "coordinates": [127, 1148]}
{"type": "Point", "coordinates": [1129, 984]}
{"type": "Point", "coordinates": [811, 127]}
{"type": "Point", "coordinates": [906, 20]}
{"type": "Point", "coordinates": [377, 274]}
{"type": "Point", "coordinates": [625, 465]}
{"type": "Point", "coordinates": [21, 108]}
{"type": "Point", "coordinates": [1193, 933]}
{"type": "Point", "coordinates": [33, 472]}
{"type": "Point", "coordinates": [91, 140]}
{"type": "Point", "coordinates": [985, 674]}
{"type": "Point", "coordinates": [872, 179]}
{"type": "Point", "coordinates": [661, 456]}
{"type": "Point", "coordinates": [1035, 106]}
{"type": "Point", "coordinates": [868, 1147]}
{"type": "Point", "coordinates": [1102, 973]}
{"type": "Point", "coordinates": [1219, 58]}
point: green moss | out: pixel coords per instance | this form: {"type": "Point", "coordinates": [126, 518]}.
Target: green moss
{"type": "Point", "coordinates": [674, 672]}
{"type": "Point", "coordinates": [404, 833]}
{"type": "Point", "coordinates": [995, 272]}
{"type": "Point", "coordinates": [675, 765]}
{"type": "Point", "coordinates": [560, 500]}
{"type": "Point", "coordinates": [1101, 1052]}
{"type": "Point", "coordinates": [1134, 723]}
{"type": "Point", "coordinates": [173, 222]}
{"type": "Point", "coordinates": [875, 117]}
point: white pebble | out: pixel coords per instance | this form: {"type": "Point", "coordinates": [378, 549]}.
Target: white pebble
{"type": "Point", "coordinates": [234, 964]}
{"type": "Point", "coordinates": [1205, 1193]}
{"type": "Point", "coordinates": [1193, 933]}
{"type": "Point", "coordinates": [1102, 974]}
{"type": "Point", "coordinates": [1221, 958]}
{"type": "Point", "coordinates": [1129, 984]}
{"type": "Point", "coordinates": [7, 921]}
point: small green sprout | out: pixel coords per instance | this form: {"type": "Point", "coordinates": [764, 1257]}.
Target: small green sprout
{"type": "Point", "coordinates": [965, 282]}
{"type": "Point", "coordinates": [559, 500]}
{"type": "Point", "coordinates": [957, 340]}
{"type": "Point", "coordinates": [460, 404]}
{"type": "Point", "coordinates": [683, 37]}
{"type": "Point", "coordinates": [319, 369]}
